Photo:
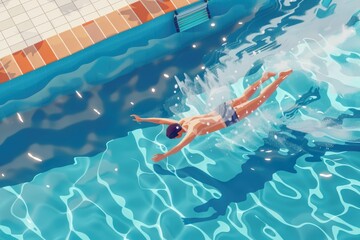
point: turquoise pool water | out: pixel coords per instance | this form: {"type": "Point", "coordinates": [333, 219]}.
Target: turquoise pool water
{"type": "Point", "coordinates": [288, 171]}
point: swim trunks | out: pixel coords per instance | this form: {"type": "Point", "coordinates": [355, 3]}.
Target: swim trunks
{"type": "Point", "coordinates": [227, 113]}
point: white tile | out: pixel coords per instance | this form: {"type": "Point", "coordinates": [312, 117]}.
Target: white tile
{"type": "Point", "coordinates": [82, 3]}
{"type": "Point", "coordinates": [41, 2]}
{"type": "Point", "coordinates": [5, 52]}
{"type": "Point", "coordinates": [39, 20]}
{"type": "Point", "coordinates": [62, 2]}
{"type": "Point", "coordinates": [30, 5]}
{"type": "Point", "coordinates": [3, 44]}
{"type": "Point", "coordinates": [14, 39]}
{"type": "Point", "coordinates": [87, 10]}
{"type": "Point", "coordinates": [25, 26]}
{"type": "Point", "coordinates": [33, 40]}
{"type": "Point", "coordinates": [63, 28]}
{"type": "Point", "coordinates": [2, 7]}
{"type": "Point", "coordinates": [77, 22]}
{"type": "Point", "coordinates": [29, 33]}
{"type": "Point", "coordinates": [132, 1]}
{"type": "Point", "coordinates": [45, 27]}
{"type": "Point", "coordinates": [25, 1]}
{"type": "Point", "coordinates": [16, 11]}
{"type": "Point", "coordinates": [18, 46]}
{"type": "Point", "coordinates": [54, 14]}
{"type": "Point", "coordinates": [58, 21]}
{"type": "Point", "coordinates": [115, 1]}
{"type": "Point", "coordinates": [35, 12]}
{"type": "Point", "coordinates": [91, 16]}
{"type": "Point", "coordinates": [49, 6]}
{"type": "Point", "coordinates": [21, 18]}
{"type": "Point", "coordinates": [1, 36]}
{"type": "Point", "coordinates": [48, 34]}
{"type": "Point", "coordinates": [105, 11]}
{"type": "Point", "coordinates": [10, 32]}
{"type": "Point", "coordinates": [4, 15]}
{"type": "Point", "coordinates": [72, 16]}
{"type": "Point", "coordinates": [12, 3]}
{"type": "Point", "coordinates": [119, 5]}
{"type": "Point", "coordinates": [101, 4]}
{"type": "Point", "coordinates": [68, 8]}
{"type": "Point", "coordinates": [8, 23]}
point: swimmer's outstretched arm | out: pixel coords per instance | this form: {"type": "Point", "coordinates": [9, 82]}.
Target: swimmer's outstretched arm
{"type": "Point", "coordinates": [187, 139]}
{"type": "Point", "coordinates": [167, 121]}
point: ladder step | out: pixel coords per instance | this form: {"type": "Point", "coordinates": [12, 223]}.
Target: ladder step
{"type": "Point", "coordinates": [194, 14]}
{"type": "Point", "coordinates": [191, 25]}
{"type": "Point", "coordinates": [191, 10]}
{"type": "Point", "coordinates": [203, 19]}
{"type": "Point", "coordinates": [191, 17]}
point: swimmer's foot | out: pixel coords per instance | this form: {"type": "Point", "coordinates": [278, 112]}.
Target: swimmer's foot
{"type": "Point", "coordinates": [267, 75]}
{"type": "Point", "coordinates": [285, 73]}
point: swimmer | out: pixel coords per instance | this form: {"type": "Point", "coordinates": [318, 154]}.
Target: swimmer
{"type": "Point", "coordinates": [221, 117]}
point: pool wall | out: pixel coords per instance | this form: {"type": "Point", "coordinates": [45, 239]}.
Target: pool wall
{"type": "Point", "coordinates": [113, 57]}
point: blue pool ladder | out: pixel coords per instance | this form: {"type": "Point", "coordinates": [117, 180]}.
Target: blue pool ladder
{"type": "Point", "coordinates": [191, 16]}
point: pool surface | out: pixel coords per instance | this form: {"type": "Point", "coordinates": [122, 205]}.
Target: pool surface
{"type": "Point", "coordinates": [75, 166]}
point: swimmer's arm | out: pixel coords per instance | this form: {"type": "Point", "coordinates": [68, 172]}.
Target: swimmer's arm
{"type": "Point", "coordinates": [187, 139]}
{"type": "Point", "coordinates": [167, 121]}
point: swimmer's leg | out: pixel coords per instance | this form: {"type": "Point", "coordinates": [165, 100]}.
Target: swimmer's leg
{"type": "Point", "coordinates": [249, 91]}
{"type": "Point", "coordinates": [253, 104]}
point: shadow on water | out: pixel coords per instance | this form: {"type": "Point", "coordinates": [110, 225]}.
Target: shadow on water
{"type": "Point", "coordinates": [312, 95]}
{"type": "Point", "coordinates": [256, 172]}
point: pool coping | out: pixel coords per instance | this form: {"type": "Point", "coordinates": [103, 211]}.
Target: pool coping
{"type": "Point", "coordinates": [85, 35]}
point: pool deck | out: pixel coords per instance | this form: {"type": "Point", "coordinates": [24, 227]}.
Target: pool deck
{"type": "Point", "coordinates": [34, 33]}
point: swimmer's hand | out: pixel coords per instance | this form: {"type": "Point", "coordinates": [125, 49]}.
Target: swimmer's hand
{"type": "Point", "coordinates": [158, 157]}
{"type": "Point", "coordinates": [136, 118]}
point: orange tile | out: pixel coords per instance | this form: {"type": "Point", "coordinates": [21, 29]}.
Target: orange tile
{"type": "Point", "coordinates": [22, 61]}
{"type": "Point", "coordinates": [3, 75]}
{"type": "Point", "coordinates": [105, 26]}
{"type": "Point", "coordinates": [11, 66]}
{"type": "Point", "coordinates": [193, 1]}
{"type": "Point", "coordinates": [166, 5]}
{"type": "Point", "coordinates": [70, 41]}
{"type": "Point", "coordinates": [58, 46]}
{"type": "Point", "coordinates": [153, 7]}
{"type": "Point", "coordinates": [180, 3]}
{"type": "Point", "coordinates": [94, 31]}
{"type": "Point", "coordinates": [140, 10]}
{"type": "Point", "coordinates": [118, 21]}
{"type": "Point", "coordinates": [45, 51]}
{"type": "Point", "coordinates": [82, 36]}
{"type": "Point", "coordinates": [34, 57]}
{"type": "Point", "coordinates": [129, 16]}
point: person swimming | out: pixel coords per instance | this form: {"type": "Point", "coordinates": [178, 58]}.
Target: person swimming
{"type": "Point", "coordinates": [224, 115]}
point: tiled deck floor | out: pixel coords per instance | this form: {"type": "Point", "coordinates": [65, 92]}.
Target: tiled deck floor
{"type": "Point", "coordinates": [34, 33]}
